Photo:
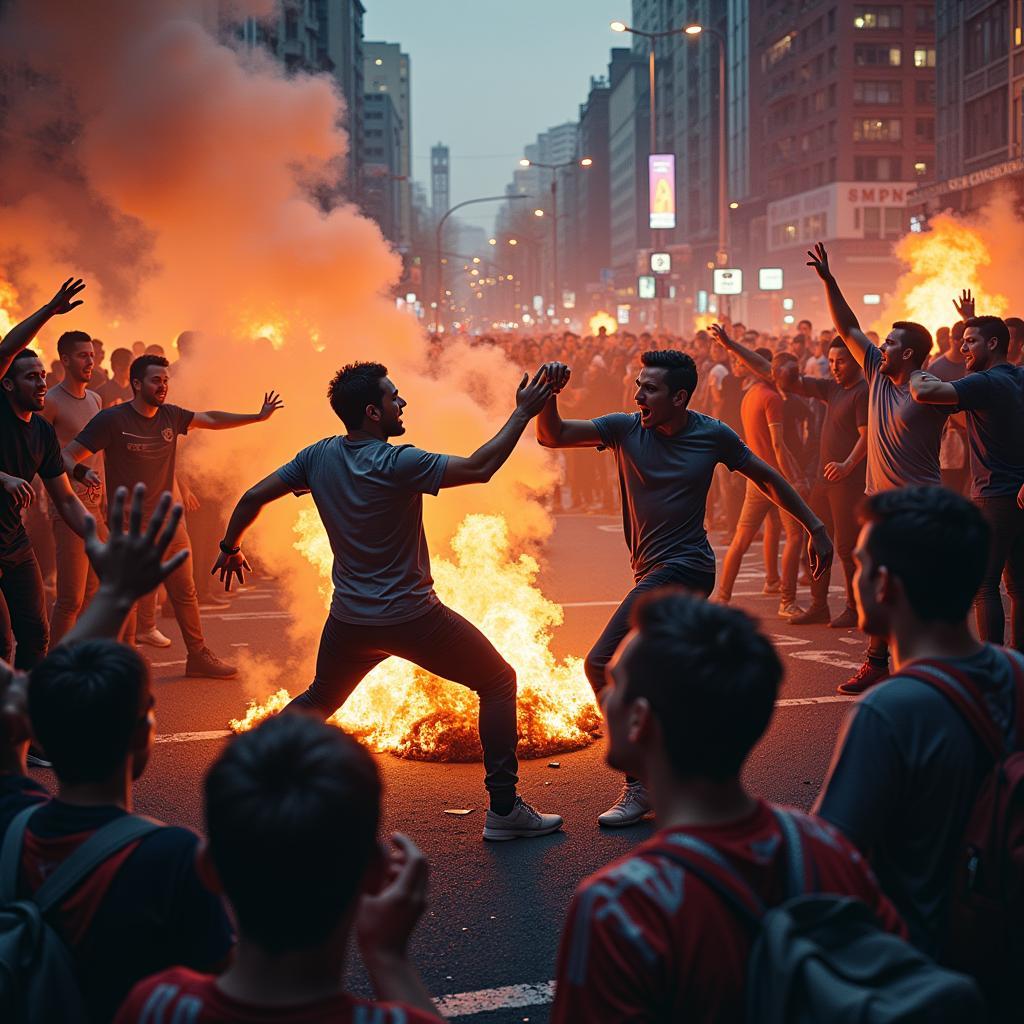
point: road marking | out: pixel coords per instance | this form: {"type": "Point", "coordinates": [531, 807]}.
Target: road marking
{"type": "Point", "coordinates": [839, 659]}
{"type": "Point", "coordinates": [235, 616]}
{"type": "Point", "coordinates": [166, 664]}
{"type": "Point", "coordinates": [486, 1000]}
{"type": "Point", "coordinates": [792, 702]}
{"type": "Point", "coordinates": [192, 737]}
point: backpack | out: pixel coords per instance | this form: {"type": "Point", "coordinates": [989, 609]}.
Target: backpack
{"type": "Point", "coordinates": [818, 957]}
{"type": "Point", "coordinates": [985, 934]}
{"type": "Point", "coordinates": [37, 973]}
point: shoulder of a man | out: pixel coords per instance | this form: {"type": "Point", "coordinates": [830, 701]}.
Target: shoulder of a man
{"type": "Point", "coordinates": [614, 426]}
{"type": "Point", "coordinates": [872, 360]}
{"type": "Point", "coordinates": [179, 416]}
{"type": "Point", "coordinates": [178, 993]}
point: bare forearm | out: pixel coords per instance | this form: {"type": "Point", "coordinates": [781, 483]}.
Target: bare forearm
{"type": "Point", "coordinates": [73, 512]}
{"type": "Point", "coordinates": [244, 515]}
{"type": "Point", "coordinates": [103, 616]}
{"type": "Point", "coordinates": [549, 423]}
{"type": "Point", "coordinates": [761, 366]}
{"type": "Point", "coordinates": [490, 457]}
{"type": "Point", "coordinates": [20, 336]}
{"type": "Point", "coordinates": [844, 318]}
{"type": "Point", "coordinates": [395, 979]}
{"type": "Point", "coordinates": [214, 419]}
{"type": "Point", "coordinates": [782, 493]}
{"type": "Point", "coordinates": [859, 452]}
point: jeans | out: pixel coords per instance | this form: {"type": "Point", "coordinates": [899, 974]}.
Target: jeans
{"type": "Point", "coordinates": [619, 624]}
{"type": "Point", "coordinates": [181, 592]}
{"type": "Point", "coordinates": [22, 610]}
{"type": "Point", "coordinates": [76, 582]}
{"type": "Point", "coordinates": [836, 506]}
{"type": "Point", "coordinates": [1006, 559]}
{"type": "Point", "coordinates": [442, 642]}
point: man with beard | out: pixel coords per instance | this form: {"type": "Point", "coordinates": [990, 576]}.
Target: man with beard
{"type": "Point", "coordinates": [369, 494]}
{"type": "Point", "coordinates": [28, 445]}
{"type": "Point", "coordinates": [666, 456]}
{"type": "Point", "coordinates": [139, 440]}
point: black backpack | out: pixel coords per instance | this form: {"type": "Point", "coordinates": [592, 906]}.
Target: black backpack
{"type": "Point", "coordinates": [824, 958]}
{"type": "Point", "coordinates": [37, 973]}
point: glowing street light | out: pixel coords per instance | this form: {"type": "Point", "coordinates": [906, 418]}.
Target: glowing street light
{"type": "Point", "coordinates": [618, 26]}
{"type": "Point", "coordinates": [693, 30]}
{"type": "Point", "coordinates": [538, 213]}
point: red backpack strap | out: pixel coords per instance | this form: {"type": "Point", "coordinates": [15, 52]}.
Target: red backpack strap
{"type": "Point", "coordinates": [964, 695]}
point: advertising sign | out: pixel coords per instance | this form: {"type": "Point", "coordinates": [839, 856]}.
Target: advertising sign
{"type": "Point", "coordinates": [769, 279]}
{"type": "Point", "coordinates": [661, 263]}
{"type": "Point", "coordinates": [661, 170]}
{"type": "Point", "coordinates": [646, 286]}
{"type": "Point", "coordinates": [728, 282]}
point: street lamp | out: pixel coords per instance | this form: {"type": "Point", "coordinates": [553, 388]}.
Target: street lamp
{"type": "Point", "coordinates": [554, 169]}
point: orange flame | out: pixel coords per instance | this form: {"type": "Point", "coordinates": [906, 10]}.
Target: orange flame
{"type": "Point", "coordinates": [602, 319]}
{"type": "Point", "coordinates": [8, 304]}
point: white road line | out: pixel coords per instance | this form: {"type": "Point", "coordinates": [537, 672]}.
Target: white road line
{"type": "Point", "coordinates": [793, 702]}
{"type": "Point", "coordinates": [192, 737]}
{"type": "Point", "coordinates": [166, 664]}
{"type": "Point", "coordinates": [486, 1000]}
{"type": "Point", "coordinates": [234, 616]}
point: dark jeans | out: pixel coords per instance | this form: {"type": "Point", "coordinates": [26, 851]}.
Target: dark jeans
{"type": "Point", "coordinates": [836, 506]}
{"type": "Point", "coordinates": [618, 625]}
{"type": "Point", "coordinates": [1006, 559]}
{"type": "Point", "coordinates": [23, 610]}
{"type": "Point", "coordinates": [442, 642]}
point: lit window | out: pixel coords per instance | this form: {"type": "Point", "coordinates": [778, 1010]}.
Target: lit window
{"type": "Point", "coordinates": [924, 57]}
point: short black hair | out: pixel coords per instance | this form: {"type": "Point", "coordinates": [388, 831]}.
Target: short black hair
{"type": "Point", "coordinates": [681, 370]}
{"type": "Point", "coordinates": [915, 337]}
{"type": "Point", "coordinates": [137, 371]}
{"type": "Point", "coordinates": [25, 353]}
{"type": "Point", "coordinates": [710, 676]}
{"type": "Point", "coordinates": [353, 388]}
{"type": "Point", "coordinates": [1015, 324]}
{"type": "Point", "coordinates": [85, 702]}
{"type": "Point", "coordinates": [292, 812]}
{"type": "Point", "coordinates": [992, 327]}
{"type": "Point", "coordinates": [120, 357]}
{"type": "Point", "coordinates": [69, 339]}
{"type": "Point", "coordinates": [935, 542]}
{"type": "Point", "coordinates": [837, 342]}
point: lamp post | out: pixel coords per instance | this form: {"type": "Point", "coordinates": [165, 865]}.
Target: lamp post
{"type": "Point", "coordinates": [440, 229]}
{"type": "Point", "coordinates": [554, 169]}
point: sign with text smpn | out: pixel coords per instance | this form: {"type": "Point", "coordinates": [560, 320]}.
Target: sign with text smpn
{"type": "Point", "coordinates": [646, 286]}
{"type": "Point", "coordinates": [769, 279]}
{"type": "Point", "coordinates": [727, 282]}
{"type": "Point", "coordinates": [661, 173]}
{"type": "Point", "coordinates": [661, 263]}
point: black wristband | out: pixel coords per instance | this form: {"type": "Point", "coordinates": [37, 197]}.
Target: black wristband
{"type": "Point", "coordinates": [229, 551]}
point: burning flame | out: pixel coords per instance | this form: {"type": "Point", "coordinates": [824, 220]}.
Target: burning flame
{"type": "Point", "coordinates": [941, 261]}
{"type": "Point", "coordinates": [404, 710]}
{"type": "Point", "coordinates": [602, 319]}
{"type": "Point", "coordinates": [8, 303]}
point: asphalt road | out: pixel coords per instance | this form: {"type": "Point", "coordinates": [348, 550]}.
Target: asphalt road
{"type": "Point", "coordinates": [487, 943]}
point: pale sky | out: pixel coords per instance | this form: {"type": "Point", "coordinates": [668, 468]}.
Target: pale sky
{"type": "Point", "coordinates": [488, 75]}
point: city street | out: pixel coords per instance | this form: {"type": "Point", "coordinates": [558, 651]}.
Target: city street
{"type": "Point", "coordinates": [488, 941]}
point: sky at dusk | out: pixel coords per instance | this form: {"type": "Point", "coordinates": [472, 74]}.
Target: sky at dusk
{"type": "Point", "coordinates": [487, 76]}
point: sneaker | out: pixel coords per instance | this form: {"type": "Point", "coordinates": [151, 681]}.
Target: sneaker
{"type": "Point", "coordinates": [790, 610]}
{"type": "Point", "coordinates": [633, 803]}
{"type": "Point", "coordinates": [866, 677]}
{"type": "Point", "coordinates": [205, 663]}
{"type": "Point", "coordinates": [522, 822]}
{"type": "Point", "coordinates": [847, 619]}
{"type": "Point", "coordinates": [153, 637]}
{"type": "Point", "coordinates": [35, 759]}
{"type": "Point", "coordinates": [771, 587]}
{"type": "Point", "coordinates": [812, 617]}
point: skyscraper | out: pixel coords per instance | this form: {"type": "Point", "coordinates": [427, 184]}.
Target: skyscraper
{"type": "Point", "coordinates": [440, 190]}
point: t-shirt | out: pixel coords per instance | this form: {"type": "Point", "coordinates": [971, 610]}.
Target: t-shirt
{"type": "Point", "coordinates": [183, 995]}
{"type": "Point", "coordinates": [762, 405]}
{"type": "Point", "coordinates": [903, 435]}
{"type": "Point", "coordinates": [98, 379]}
{"type": "Point", "coordinates": [994, 402]}
{"type": "Point", "coordinates": [846, 411]}
{"type": "Point", "coordinates": [945, 369]}
{"type": "Point", "coordinates": [25, 449]}
{"type": "Point", "coordinates": [731, 390]}
{"type": "Point", "coordinates": [647, 941]}
{"type": "Point", "coordinates": [136, 447]}
{"type": "Point", "coordinates": [369, 494]}
{"type": "Point", "coordinates": [69, 415]}
{"type": "Point", "coordinates": [664, 483]}
{"type": "Point", "coordinates": [903, 781]}
{"type": "Point", "coordinates": [111, 393]}
{"type": "Point", "coordinates": [142, 910]}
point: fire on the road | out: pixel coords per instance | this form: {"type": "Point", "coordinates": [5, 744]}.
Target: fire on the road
{"type": "Point", "coordinates": [403, 710]}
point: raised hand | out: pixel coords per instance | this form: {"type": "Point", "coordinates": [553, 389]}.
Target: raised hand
{"type": "Point", "coordinates": [20, 490]}
{"type": "Point", "coordinates": [720, 335]}
{"type": "Point", "coordinates": [386, 918]}
{"type": "Point", "coordinates": [62, 301]}
{"type": "Point", "coordinates": [131, 561]}
{"type": "Point", "coordinates": [965, 305]}
{"type": "Point", "coordinates": [231, 565]}
{"type": "Point", "coordinates": [819, 260]}
{"type": "Point", "coordinates": [532, 397]}
{"type": "Point", "coordinates": [558, 375]}
{"type": "Point", "coordinates": [271, 403]}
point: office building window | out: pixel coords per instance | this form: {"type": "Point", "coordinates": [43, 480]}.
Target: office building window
{"type": "Point", "coordinates": [986, 37]}
{"type": "Point", "coordinates": [921, 168]}
{"type": "Point", "coordinates": [879, 221]}
{"type": "Point", "coordinates": [867, 56]}
{"type": "Point", "coordinates": [878, 93]}
{"type": "Point", "coordinates": [877, 16]}
{"type": "Point", "coordinates": [873, 129]}
{"type": "Point", "coordinates": [924, 129]}
{"type": "Point", "coordinates": [877, 168]}
{"type": "Point", "coordinates": [924, 57]}
{"type": "Point", "coordinates": [985, 123]}
{"type": "Point", "coordinates": [924, 18]}
{"type": "Point", "coordinates": [924, 93]}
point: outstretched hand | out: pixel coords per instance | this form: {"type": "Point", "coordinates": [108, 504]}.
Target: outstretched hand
{"type": "Point", "coordinates": [558, 375]}
{"type": "Point", "coordinates": [819, 260]}
{"type": "Point", "coordinates": [231, 565]}
{"type": "Point", "coordinates": [62, 301]}
{"type": "Point", "coordinates": [130, 561]}
{"type": "Point", "coordinates": [272, 401]}
{"type": "Point", "coordinates": [965, 305]}
{"type": "Point", "coordinates": [721, 335]}
{"type": "Point", "coordinates": [532, 397]}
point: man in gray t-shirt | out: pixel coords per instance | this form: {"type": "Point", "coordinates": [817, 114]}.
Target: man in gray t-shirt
{"type": "Point", "coordinates": [369, 494]}
{"type": "Point", "coordinates": [666, 457]}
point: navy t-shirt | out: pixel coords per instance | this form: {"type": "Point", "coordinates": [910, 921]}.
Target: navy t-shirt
{"type": "Point", "coordinates": [994, 402]}
{"type": "Point", "coordinates": [846, 411]}
{"type": "Point", "coordinates": [664, 483]}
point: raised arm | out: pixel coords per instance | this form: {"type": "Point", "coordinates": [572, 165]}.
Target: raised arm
{"type": "Point", "coordinates": [479, 467]}
{"type": "Point", "coordinates": [761, 366]}
{"type": "Point", "coordinates": [843, 317]}
{"type": "Point", "coordinates": [928, 389]}
{"type": "Point", "coordinates": [552, 430]}
{"type": "Point", "coordinates": [20, 335]}
{"type": "Point", "coordinates": [964, 306]}
{"type": "Point", "coordinates": [213, 419]}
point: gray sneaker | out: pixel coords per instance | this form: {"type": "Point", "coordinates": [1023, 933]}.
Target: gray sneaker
{"type": "Point", "coordinates": [522, 822]}
{"type": "Point", "coordinates": [633, 803]}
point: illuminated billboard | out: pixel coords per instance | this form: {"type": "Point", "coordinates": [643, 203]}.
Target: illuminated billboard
{"type": "Point", "coordinates": [661, 170]}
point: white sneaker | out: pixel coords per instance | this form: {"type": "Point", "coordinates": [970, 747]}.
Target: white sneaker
{"type": "Point", "coordinates": [153, 637]}
{"type": "Point", "coordinates": [632, 805]}
{"type": "Point", "coordinates": [790, 610]}
{"type": "Point", "coordinates": [521, 822]}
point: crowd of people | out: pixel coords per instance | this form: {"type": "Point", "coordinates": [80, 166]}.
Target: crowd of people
{"type": "Point", "coordinates": [912, 859]}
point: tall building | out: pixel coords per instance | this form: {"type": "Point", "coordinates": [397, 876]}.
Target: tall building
{"type": "Point", "coordinates": [440, 184]}
{"type": "Point", "coordinates": [386, 70]}
{"type": "Point", "coordinates": [980, 112]}
{"type": "Point", "coordinates": [381, 193]}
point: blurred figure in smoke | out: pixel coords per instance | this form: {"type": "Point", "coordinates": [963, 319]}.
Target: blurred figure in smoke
{"type": "Point", "coordinates": [99, 376]}
{"type": "Point", "coordinates": [1016, 328]}
{"type": "Point", "coordinates": [139, 440]}
{"type": "Point", "coordinates": [118, 389]}
{"type": "Point", "coordinates": [369, 494]}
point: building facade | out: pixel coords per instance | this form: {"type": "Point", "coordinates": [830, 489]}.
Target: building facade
{"type": "Point", "coordinates": [381, 193]}
{"type": "Point", "coordinates": [440, 181]}
{"type": "Point", "coordinates": [386, 70]}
